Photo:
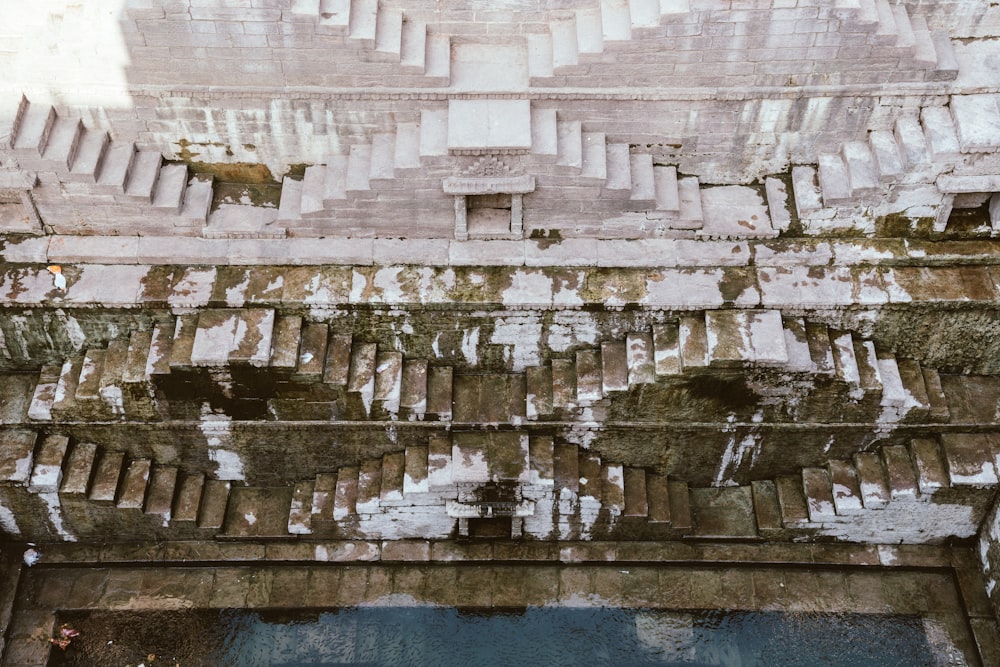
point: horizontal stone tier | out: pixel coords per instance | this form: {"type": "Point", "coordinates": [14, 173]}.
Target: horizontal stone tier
{"type": "Point", "coordinates": [783, 287]}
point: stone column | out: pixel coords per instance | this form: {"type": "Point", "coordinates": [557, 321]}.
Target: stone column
{"type": "Point", "coordinates": [461, 219]}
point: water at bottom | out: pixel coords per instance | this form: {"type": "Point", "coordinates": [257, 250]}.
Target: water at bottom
{"type": "Point", "coordinates": [445, 637]}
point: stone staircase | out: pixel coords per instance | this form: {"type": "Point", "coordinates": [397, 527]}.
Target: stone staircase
{"type": "Point", "coordinates": [606, 176]}
{"type": "Point", "coordinates": [111, 177]}
{"type": "Point", "coordinates": [317, 373]}
{"type": "Point", "coordinates": [568, 41]}
{"type": "Point", "coordinates": [87, 488]}
{"type": "Point", "coordinates": [926, 162]}
{"type": "Point", "coordinates": [926, 490]}
{"type": "Point", "coordinates": [918, 492]}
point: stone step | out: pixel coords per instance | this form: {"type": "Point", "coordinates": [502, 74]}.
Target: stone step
{"type": "Point", "coordinates": [589, 382]}
{"type": "Point", "coordinates": [693, 342]}
{"type": "Point", "coordinates": [415, 470]}
{"type": "Point", "coordinates": [161, 348]}
{"type": "Point", "coordinates": [917, 402]}
{"type": "Point", "coordinates": [924, 53]}
{"type": "Point", "coordinates": [170, 188]}
{"type": "Point", "coordinates": [614, 367]}
{"type": "Point", "coordinates": [939, 410]}
{"type": "Point", "coordinates": [977, 122]}
{"type": "Point", "coordinates": [970, 459]}
{"type": "Point", "coordinates": [871, 480]}
{"type": "Point", "coordinates": [808, 196]}
{"type": "Point", "coordinates": [136, 358]}
{"type": "Point", "coordinates": [89, 156]}
{"type": "Point", "coordinates": [439, 392]}
{"type": "Point", "coordinates": [565, 45]}
{"type": "Point", "coordinates": [34, 129]}
{"type": "Point", "coordinates": [312, 201]}
{"type": "Point", "coordinates": [861, 170]}
{"type": "Point", "coordinates": [846, 487]}
{"type": "Point", "coordinates": [433, 132]}
{"type": "Point", "coordinates": [327, 186]}
{"type": "Point", "coordinates": [89, 402]}
{"type": "Point", "coordinates": [413, 44]}
{"type": "Point", "coordinates": [932, 473]}
{"type": "Point", "coordinates": [589, 30]}
{"type": "Point", "coordinates": [290, 205]}
{"type": "Point", "coordinates": [214, 502]}
{"type": "Point", "coordinates": [616, 20]}
{"type": "Point", "coordinates": [766, 508]}
{"type": "Point", "coordinates": [845, 359]}
{"type": "Point", "coordinates": [566, 469]}
{"type": "Point", "coordinates": [643, 179]}
{"type": "Point", "coordinates": [797, 345]}
{"type": "Point", "coordinates": [335, 12]}
{"type": "Point", "coordinates": [940, 134]}
{"type": "Point", "coordinates": [255, 512]}
{"type": "Point", "coordinates": [946, 67]}
{"type": "Point", "coordinates": [346, 495]}
{"type": "Point", "coordinates": [911, 141]}
{"type": "Point", "coordinates": [888, 160]}
{"type": "Point", "coordinates": [564, 381]}
{"type": "Point", "coordinates": [668, 200]}
{"type": "Point", "coordinates": [613, 488]}
{"type": "Point", "coordinates": [337, 368]}
{"type": "Point", "coordinates": [64, 406]}
{"type": "Point", "coordinates": [644, 13]}
{"type": "Point", "coordinates": [570, 144]}
{"type": "Point", "coordinates": [40, 408]}
{"type": "Point", "coordinates": [361, 378]}
{"type": "Point", "coordinates": [818, 490]}
{"type": "Point", "coordinates": [63, 143]}
{"type": "Point", "coordinates": [619, 167]}
{"type": "Point", "coordinates": [363, 21]}
{"type": "Point", "coordinates": [383, 156]}
{"type": "Point", "coordinates": [887, 32]}
{"type": "Point", "coordinates": [182, 344]}
{"type": "Point", "coordinates": [690, 215]}
{"type": "Point", "coordinates": [312, 350]}
{"type": "Point", "coordinates": [899, 472]}
{"type": "Point", "coordinates": [544, 132]}
{"type": "Point", "coordinates": [358, 168]}
{"type": "Point", "coordinates": [538, 392]}
{"type": "Point", "coordinates": [198, 198]}
{"type": "Point", "coordinates": [160, 498]}
{"type": "Point", "coordinates": [834, 180]}
{"type": "Point", "coordinates": [437, 61]}
{"type": "Point", "coordinates": [108, 474]}
{"type": "Point", "coordinates": [636, 501]}
{"type": "Point", "coordinates": [541, 459]}
{"type": "Point", "coordinates": [658, 498]}
{"type": "Point", "coordinates": [406, 149]}
{"type": "Point", "coordinates": [741, 336]}
{"type": "Point", "coordinates": [594, 156]}
{"type": "Point", "coordinates": [369, 486]}
{"type": "Point", "coordinates": [680, 505]}
{"type": "Point", "coordinates": [224, 336]}
{"type": "Point", "coordinates": [116, 166]}
{"type": "Point", "coordinates": [134, 482]}
{"type": "Point", "coordinates": [47, 468]}
{"type": "Point", "coordinates": [868, 368]}
{"type": "Point", "coordinates": [188, 498]}
{"type": "Point", "coordinates": [589, 465]}
{"type": "Point", "coordinates": [301, 509]}
{"type": "Point", "coordinates": [905, 39]}
{"type": "Point", "coordinates": [388, 31]}
{"type": "Point", "coordinates": [79, 467]}
{"type": "Point", "coordinates": [893, 393]}
{"type": "Point", "coordinates": [388, 381]}
{"type": "Point", "coordinates": [639, 358]}
{"type": "Point", "coordinates": [792, 501]}
{"type": "Point", "coordinates": [285, 341]}
{"type": "Point", "coordinates": [142, 176]}
{"type": "Point", "coordinates": [539, 54]}
{"type": "Point", "coordinates": [413, 387]}
{"type": "Point", "coordinates": [439, 463]}
{"type": "Point", "coordinates": [666, 349]}
{"type": "Point", "coordinates": [323, 497]}
{"type": "Point", "coordinates": [393, 477]}
{"type": "Point", "coordinates": [820, 348]}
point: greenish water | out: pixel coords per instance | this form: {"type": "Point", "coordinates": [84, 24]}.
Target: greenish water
{"type": "Point", "coordinates": [445, 637]}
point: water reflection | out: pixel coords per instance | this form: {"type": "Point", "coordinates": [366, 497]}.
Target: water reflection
{"type": "Point", "coordinates": [442, 637]}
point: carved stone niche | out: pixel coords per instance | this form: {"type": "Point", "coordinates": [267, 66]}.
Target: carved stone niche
{"type": "Point", "coordinates": [488, 201]}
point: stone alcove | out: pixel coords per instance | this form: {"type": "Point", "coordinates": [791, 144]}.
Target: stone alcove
{"type": "Point", "coordinates": [489, 201]}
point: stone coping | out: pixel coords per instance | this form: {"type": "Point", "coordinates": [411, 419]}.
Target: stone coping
{"type": "Point", "coordinates": [944, 587]}
{"type": "Point", "coordinates": [570, 252]}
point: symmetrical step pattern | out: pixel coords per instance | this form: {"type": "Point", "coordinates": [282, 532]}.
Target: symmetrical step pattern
{"type": "Point", "coordinates": [356, 380]}
{"type": "Point", "coordinates": [89, 163]}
